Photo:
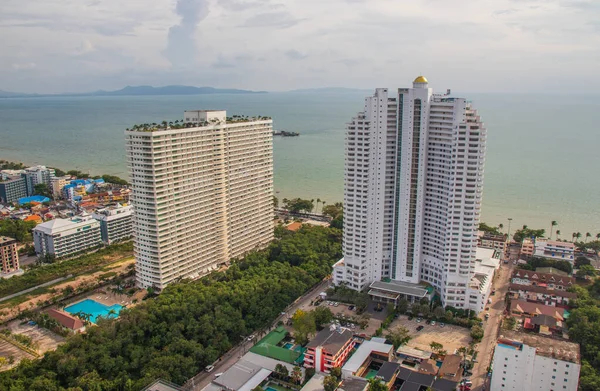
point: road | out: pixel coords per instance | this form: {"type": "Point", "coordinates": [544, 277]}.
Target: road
{"type": "Point", "coordinates": [202, 379]}
{"type": "Point", "coordinates": [491, 326]}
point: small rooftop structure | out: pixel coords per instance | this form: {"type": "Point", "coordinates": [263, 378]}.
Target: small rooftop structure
{"type": "Point", "coordinates": [392, 291]}
{"type": "Point", "coordinates": [534, 309]}
{"type": "Point", "coordinates": [547, 347]}
{"type": "Point", "coordinates": [331, 340]}
{"type": "Point", "coordinates": [162, 385]}
{"type": "Point", "coordinates": [315, 383]}
{"type": "Point", "coordinates": [363, 353]}
{"type": "Point", "coordinates": [405, 351]}
{"type": "Point", "coordinates": [353, 384]}
{"type": "Point", "coordinates": [65, 319]}
{"type": "Point", "coordinates": [450, 368]}
{"type": "Point", "coordinates": [268, 347]}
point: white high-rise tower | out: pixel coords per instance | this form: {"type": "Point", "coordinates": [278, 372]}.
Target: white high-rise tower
{"type": "Point", "coordinates": [413, 190]}
{"type": "Point", "coordinates": [202, 193]}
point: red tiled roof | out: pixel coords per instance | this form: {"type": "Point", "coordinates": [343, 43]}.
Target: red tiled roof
{"type": "Point", "coordinates": [525, 307]}
{"type": "Point", "coordinates": [544, 277]}
{"type": "Point", "coordinates": [65, 319]}
{"type": "Point", "coordinates": [541, 289]}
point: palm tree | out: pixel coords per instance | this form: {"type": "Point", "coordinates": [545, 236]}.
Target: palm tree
{"type": "Point", "coordinates": [578, 235]}
{"type": "Point", "coordinates": [557, 233]}
{"type": "Point", "coordinates": [587, 235]}
{"type": "Point", "coordinates": [500, 227]}
{"type": "Point", "coordinates": [598, 236]}
{"type": "Point", "coordinates": [553, 224]}
{"type": "Point", "coordinates": [318, 201]}
{"type": "Point", "coordinates": [313, 203]}
{"type": "Point", "coordinates": [525, 227]}
{"type": "Point", "coordinates": [573, 236]}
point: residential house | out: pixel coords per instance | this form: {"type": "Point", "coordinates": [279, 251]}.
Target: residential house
{"type": "Point", "coordinates": [525, 308]}
{"type": "Point", "coordinates": [553, 281]}
{"type": "Point", "coordinates": [329, 349]}
{"type": "Point", "coordinates": [542, 294]}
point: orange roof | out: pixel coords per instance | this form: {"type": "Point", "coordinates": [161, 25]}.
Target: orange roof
{"type": "Point", "coordinates": [294, 226]}
{"type": "Point", "coordinates": [35, 218]}
{"type": "Point", "coordinates": [65, 319]}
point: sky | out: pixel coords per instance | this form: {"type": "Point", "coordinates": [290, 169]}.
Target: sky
{"type": "Point", "coordinates": [52, 46]}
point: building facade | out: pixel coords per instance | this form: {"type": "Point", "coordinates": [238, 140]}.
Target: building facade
{"type": "Point", "coordinates": [526, 362]}
{"type": "Point", "coordinates": [202, 194]}
{"type": "Point", "coordinates": [58, 184]}
{"type": "Point", "coordinates": [116, 223]}
{"type": "Point", "coordinates": [37, 175]}
{"type": "Point", "coordinates": [527, 248]}
{"type": "Point", "coordinates": [413, 186]}
{"type": "Point", "coordinates": [560, 251]}
{"type": "Point", "coordinates": [329, 349]}
{"type": "Point", "coordinates": [495, 242]}
{"type": "Point", "coordinates": [9, 257]}
{"type": "Point", "coordinates": [62, 237]}
{"type": "Point", "coordinates": [12, 188]}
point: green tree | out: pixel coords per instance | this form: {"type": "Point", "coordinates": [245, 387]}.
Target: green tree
{"type": "Point", "coordinates": [439, 312]}
{"type": "Point", "coordinates": [304, 325]}
{"type": "Point", "coordinates": [489, 229]}
{"type": "Point", "coordinates": [398, 336]}
{"type": "Point", "coordinates": [436, 346]}
{"type": "Point", "coordinates": [376, 385]}
{"type": "Point", "coordinates": [282, 371]}
{"type": "Point", "coordinates": [298, 205]}
{"type": "Point", "coordinates": [322, 316]}
{"type": "Point", "coordinates": [336, 372]}
{"type": "Point", "coordinates": [330, 383]}
{"type": "Point", "coordinates": [476, 333]}
{"type": "Point", "coordinates": [296, 375]}
{"type": "Point", "coordinates": [580, 261]}
{"type": "Point", "coordinates": [509, 323]}
{"type": "Point", "coordinates": [587, 236]}
{"type": "Point", "coordinates": [333, 211]}
{"type": "Point", "coordinates": [449, 315]}
{"type": "Point", "coordinates": [275, 202]}
{"type": "Point", "coordinates": [41, 189]}
{"type": "Point", "coordinates": [553, 224]}
{"type": "Point", "coordinates": [557, 234]}
{"type": "Point", "coordinates": [586, 270]}
{"type": "Point", "coordinates": [526, 232]}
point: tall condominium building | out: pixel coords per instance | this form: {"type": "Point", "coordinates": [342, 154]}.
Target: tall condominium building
{"type": "Point", "coordinates": [413, 188]}
{"type": "Point", "coordinates": [202, 193]}
{"type": "Point", "coordinates": [9, 257]}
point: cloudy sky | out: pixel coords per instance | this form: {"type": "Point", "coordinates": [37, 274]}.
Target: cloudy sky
{"type": "Point", "coordinates": [469, 45]}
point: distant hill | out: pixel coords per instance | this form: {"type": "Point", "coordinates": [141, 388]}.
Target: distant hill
{"type": "Point", "coordinates": [8, 94]}
{"type": "Point", "coordinates": [328, 89]}
{"type": "Point", "coordinates": [173, 90]}
{"type": "Point", "coordinates": [141, 90]}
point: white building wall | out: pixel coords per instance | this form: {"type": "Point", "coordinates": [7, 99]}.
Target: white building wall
{"type": "Point", "coordinates": [201, 196]}
{"type": "Point", "coordinates": [413, 188]}
{"type": "Point", "coordinates": [524, 370]}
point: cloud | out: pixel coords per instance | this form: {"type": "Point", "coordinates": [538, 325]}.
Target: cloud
{"type": "Point", "coordinates": [295, 55]}
{"type": "Point", "coordinates": [24, 67]}
{"type": "Point", "coordinates": [279, 20]}
{"type": "Point", "coordinates": [181, 43]}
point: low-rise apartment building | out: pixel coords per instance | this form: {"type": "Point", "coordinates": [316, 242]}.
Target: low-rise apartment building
{"type": "Point", "coordinates": [527, 248]}
{"type": "Point", "coordinates": [115, 223]}
{"type": "Point", "coordinates": [542, 294]}
{"type": "Point", "coordinates": [37, 175]}
{"type": "Point", "coordinates": [58, 184]}
{"type": "Point", "coordinates": [480, 286]}
{"type": "Point", "coordinates": [12, 188]}
{"type": "Point", "coordinates": [329, 349]}
{"type": "Point", "coordinates": [561, 251]}
{"type": "Point", "coordinates": [63, 237]}
{"type": "Point", "coordinates": [490, 241]}
{"type": "Point", "coordinates": [9, 257]}
{"type": "Point", "coordinates": [548, 280]}
{"type": "Point", "coordinates": [528, 362]}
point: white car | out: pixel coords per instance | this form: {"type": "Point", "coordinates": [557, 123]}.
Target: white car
{"type": "Point", "coordinates": [209, 368]}
{"type": "Point", "coordinates": [251, 338]}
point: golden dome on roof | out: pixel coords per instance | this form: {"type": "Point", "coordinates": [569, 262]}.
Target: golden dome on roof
{"type": "Point", "coordinates": [420, 79]}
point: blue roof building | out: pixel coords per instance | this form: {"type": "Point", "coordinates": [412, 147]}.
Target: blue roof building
{"type": "Point", "coordinates": [36, 198]}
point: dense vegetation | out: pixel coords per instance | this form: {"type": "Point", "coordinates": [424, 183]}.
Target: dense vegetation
{"type": "Point", "coordinates": [189, 325]}
{"type": "Point", "coordinates": [536, 262]}
{"type": "Point", "coordinates": [489, 229]}
{"type": "Point", "coordinates": [527, 232]}
{"type": "Point", "coordinates": [17, 229]}
{"type": "Point", "coordinates": [6, 165]}
{"type": "Point", "coordinates": [37, 275]}
{"type": "Point", "coordinates": [584, 328]}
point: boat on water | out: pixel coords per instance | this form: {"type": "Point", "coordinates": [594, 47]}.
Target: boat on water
{"type": "Point", "coordinates": [284, 133]}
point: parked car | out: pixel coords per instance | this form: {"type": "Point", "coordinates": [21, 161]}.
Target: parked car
{"type": "Point", "coordinates": [421, 327]}
{"type": "Point", "coordinates": [209, 368]}
{"type": "Point", "coordinates": [487, 315]}
{"type": "Point", "coordinates": [351, 307]}
{"type": "Point", "coordinates": [419, 320]}
{"type": "Point", "coordinates": [251, 337]}
{"type": "Point", "coordinates": [336, 304]}
{"type": "Point", "coordinates": [218, 374]}
{"type": "Point", "coordinates": [433, 322]}
{"type": "Point", "coordinates": [442, 324]}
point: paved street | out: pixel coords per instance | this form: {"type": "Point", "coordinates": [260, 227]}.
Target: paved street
{"type": "Point", "coordinates": [202, 379]}
{"type": "Point", "coordinates": [486, 346]}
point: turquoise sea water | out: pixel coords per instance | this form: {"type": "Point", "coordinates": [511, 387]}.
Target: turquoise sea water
{"type": "Point", "coordinates": [94, 309]}
{"type": "Point", "coordinates": [542, 152]}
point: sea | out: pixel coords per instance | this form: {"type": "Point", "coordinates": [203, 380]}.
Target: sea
{"type": "Point", "coordinates": [543, 151]}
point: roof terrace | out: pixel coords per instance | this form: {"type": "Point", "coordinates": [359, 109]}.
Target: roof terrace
{"type": "Point", "coordinates": [181, 124]}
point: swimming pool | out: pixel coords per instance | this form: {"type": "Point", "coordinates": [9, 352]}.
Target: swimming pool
{"type": "Point", "coordinates": [288, 345]}
{"type": "Point", "coordinates": [94, 309]}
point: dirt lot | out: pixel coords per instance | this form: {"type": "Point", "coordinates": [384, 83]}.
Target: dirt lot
{"type": "Point", "coordinates": [7, 350]}
{"type": "Point", "coordinates": [45, 339]}
{"type": "Point", "coordinates": [452, 337]}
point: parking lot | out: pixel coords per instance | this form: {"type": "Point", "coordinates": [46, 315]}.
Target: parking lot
{"type": "Point", "coordinates": [44, 340]}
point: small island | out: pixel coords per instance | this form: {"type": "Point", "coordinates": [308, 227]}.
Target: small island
{"type": "Point", "coordinates": [283, 133]}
